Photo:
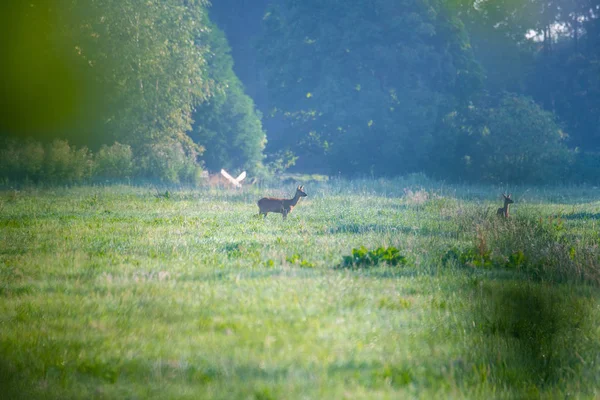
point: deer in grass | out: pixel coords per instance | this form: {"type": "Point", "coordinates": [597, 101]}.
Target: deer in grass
{"type": "Point", "coordinates": [503, 211]}
{"type": "Point", "coordinates": [281, 206]}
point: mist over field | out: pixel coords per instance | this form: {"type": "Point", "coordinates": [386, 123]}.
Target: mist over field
{"type": "Point", "coordinates": [274, 199]}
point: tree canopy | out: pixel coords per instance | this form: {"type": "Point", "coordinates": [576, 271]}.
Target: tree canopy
{"type": "Point", "coordinates": [462, 89]}
{"type": "Point", "coordinates": [363, 85]}
{"type": "Point", "coordinates": [227, 125]}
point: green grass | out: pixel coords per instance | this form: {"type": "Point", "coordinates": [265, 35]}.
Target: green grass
{"type": "Point", "coordinates": [111, 292]}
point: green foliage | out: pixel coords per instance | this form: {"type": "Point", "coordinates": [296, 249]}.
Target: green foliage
{"type": "Point", "coordinates": [363, 258]}
{"type": "Point", "coordinates": [139, 68]}
{"type": "Point", "coordinates": [56, 162]}
{"type": "Point", "coordinates": [227, 125]}
{"type": "Point", "coordinates": [279, 162]}
{"type": "Point", "coordinates": [21, 160]}
{"type": "Point", "coordinates": [170, 161]}
{"type": "Point", "coordinates": [517, 260]}
{"type": "Point", "coordinates": [539, 248]}
{"type": "Point", "coordinates": [114, 162]}
{"type": "Point", "coordinates": [147, 59]}
{"type": "Point", "coordinates": [163, 195]}
{"type": "Point", "coordinates": [396, 376]}
{"type": "Point", "coordinates": [359, 86]}
{"type": "Point", "coordinates": [64, 163]}
{"type": "Point", "coordinates": [44, 90]}
{"type": "Point", "coordinates": [59, 162]}
{"type": "Point", "coordinates": [564, 75]}
{"type": "Point", "coordinates": [470, 257]}
{"type": "Point", "coordinates": [513, 140]}
{"type": "Point", "coordinates": [522, 50]}
{"type": "Point", "coordinates": [297, 259]}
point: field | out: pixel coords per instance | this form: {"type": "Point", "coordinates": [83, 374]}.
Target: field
{"type": "Point", "coordinates": [117, 292]}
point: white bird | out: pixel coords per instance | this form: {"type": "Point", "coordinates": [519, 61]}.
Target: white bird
{"type": "Point", "coordinates": [237, 182]}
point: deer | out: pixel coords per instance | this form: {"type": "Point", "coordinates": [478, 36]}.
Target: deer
{"type": "Point", "coordinates": [282, 206]}
{"type": "Point", "coordinates": [503, 211]}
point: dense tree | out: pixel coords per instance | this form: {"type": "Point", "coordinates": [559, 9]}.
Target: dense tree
{"type": "Point", "coordinates": [227, 125]}
{"type": "Point", "coordinates": [505, 139]}
{"type": "Point", "coordinates": [566, 80]}
{"type": "Point", "coordinates": [241, 21]}
{"type": "Point", "coordinates": [463, 89]}
{"type": "Point", "coordinates": [362, 85]}
{"type": "Point", "coordinates": [146, 53]}
{"type": "Point", "coordinates": [548, 50]}
{"type": "Point", "coordinates": [138, 60]}
{"type": "Point", "coordinates": [146, 57]}
{"type": "Point", "coordinates": [140, 70]}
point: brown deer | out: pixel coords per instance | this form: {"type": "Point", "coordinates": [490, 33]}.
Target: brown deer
{"type": "Point", "coordinates": [282, 206]}
{"type": "Point", "coordinates": [503, 211]}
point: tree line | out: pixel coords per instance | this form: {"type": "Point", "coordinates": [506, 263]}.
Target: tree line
{"type": "Point", "coordinates": [497, 91]}
{"type": "Point", "coordinates": [493, 91]}
{"type": "Point", "coordinates": [147, 86]}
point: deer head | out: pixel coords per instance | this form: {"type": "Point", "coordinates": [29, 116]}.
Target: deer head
{"type": "Point", "coordinates": [507, 199]}
{"type": "Point", "coordinates": [300, 192]}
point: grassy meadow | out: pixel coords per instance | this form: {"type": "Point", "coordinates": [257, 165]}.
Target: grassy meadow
{"type": "Point", "coordinates": [117, 292]}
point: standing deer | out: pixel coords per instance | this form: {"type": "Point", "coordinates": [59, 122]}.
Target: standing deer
{"type": "Point", "coordinates": [503, 211]}
{"type": "Point", "coordinates": [282, 206]}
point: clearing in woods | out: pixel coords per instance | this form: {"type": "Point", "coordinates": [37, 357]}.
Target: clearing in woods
{"type": "Point", "coordinates": [369, 289]}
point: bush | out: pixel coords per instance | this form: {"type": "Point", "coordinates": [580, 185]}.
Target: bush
{"type": "Point", "coordinates": [114, 162]}
{"type": "Point", "coordinates": [171, 161]}
{"type": "Point", "coordinates": [362, 257]}
{"type": "Point", "coordinates": [538, 247]}
{"type": "Point", "coordinates": [57, 162]}
{"type": "Point", "coordinates": [21, 161]}
{"type": "Point", "coordinates": [512, 140]}
{"type": "Point", "coordinates": [296, 259]}
{"type": "Point", "coordinates": [64, 163]}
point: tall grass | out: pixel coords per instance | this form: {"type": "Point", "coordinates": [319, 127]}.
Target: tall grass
{"type": "Point", "coordinates": [114, 292]}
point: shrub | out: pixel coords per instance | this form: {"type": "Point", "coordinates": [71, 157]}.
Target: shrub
{"type": "Point", "coordinates": [32, 159]}
{"type": "Point", "coordinates": [114, 162]}
{"type": "Point", "coordinates": [279, 162]}
{"type": "Point", "coordinates": [21, 160]}
{"type": "Point", "coordinates": [510, 140]}
{"type": "Point", "coordinates": [64, 163]}
{"type": "Point", "coordinates": [538, 247]}
{"type": "Point", "coordinates": [362, 257]}
{"type": "Point", "coordinates": [297, 259]}
{"type": "Point", "coordinates": [170, 161]}
{"type": "Point", "coordinates": [470, 257]}
{"type": "Point", "coordinates": [57, 162]}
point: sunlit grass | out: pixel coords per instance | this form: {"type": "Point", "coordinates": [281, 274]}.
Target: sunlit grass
{"type": "Point", "coordinates": [112, 292]}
